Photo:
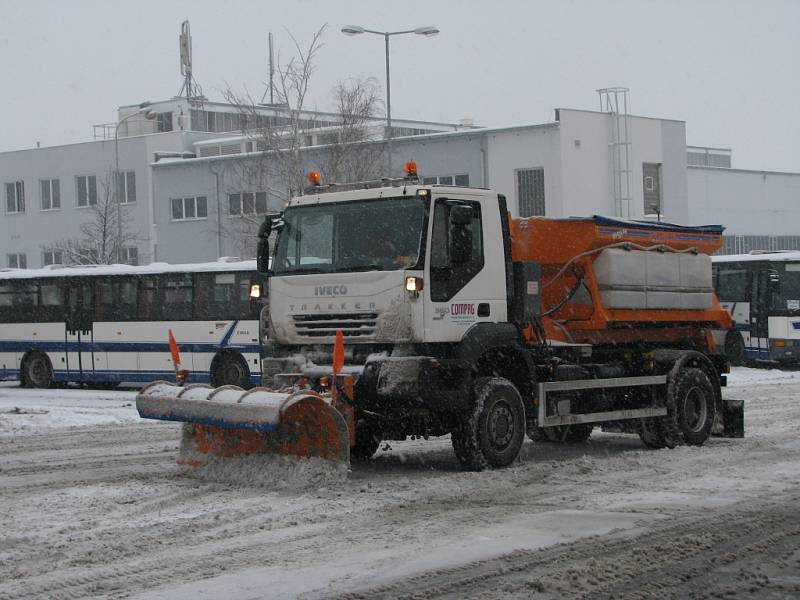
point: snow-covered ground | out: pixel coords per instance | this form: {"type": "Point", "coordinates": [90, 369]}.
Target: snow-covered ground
{"type": "Point", "coordinates": [92, 504]}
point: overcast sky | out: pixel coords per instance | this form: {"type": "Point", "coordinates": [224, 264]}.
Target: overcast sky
{"type": "Point", "coordinates": [728, 68]}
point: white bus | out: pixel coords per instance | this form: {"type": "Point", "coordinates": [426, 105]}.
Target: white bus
{"type": "Point", "coordinates": [104, 325]}
{"type": "Point", "coordinates": [762, 293]}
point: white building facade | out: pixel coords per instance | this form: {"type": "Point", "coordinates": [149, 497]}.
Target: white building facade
{"type": "Point", "coordinates": [187, 200]}
{"type": "Point", "coordinates": [49, 193]}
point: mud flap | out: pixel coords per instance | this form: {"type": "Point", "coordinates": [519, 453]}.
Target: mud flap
{"type": "Point", "coordinates": [732, 419]}
{"type": "Point", "coordinates": [229, 421]}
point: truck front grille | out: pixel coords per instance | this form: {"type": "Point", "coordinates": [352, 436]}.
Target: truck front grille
{"type": "Point", "coordinates": [351, 324]}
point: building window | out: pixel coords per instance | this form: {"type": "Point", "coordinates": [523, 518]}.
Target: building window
{"type": "Point", "coordinates": [247, 203]}
{"type": "Point", "coordinates": [131, 255]}
{"type": "Point", "coordinates": [530, 192]}
{"type": "Point", "coordinates": [164, 121]}
{"type": "Point", "coordinates": [15, 197]}
{"type": "Point", "coordinates": [187, 209]}
{"type": "Point", "coordinates": [16, 261]}
{"type": "Point", "coordinates": [459, 180]}
{"type": "Point", "coordinates": [651, 183]}
{"type": "Point", "coordinates": [126, 187]}
{"type": "Point", "coordinates": [52, 257]}
{"type": "Point", "coordinates": [51, 193]}
{"type": "Point", "coordinates": [86, 190]}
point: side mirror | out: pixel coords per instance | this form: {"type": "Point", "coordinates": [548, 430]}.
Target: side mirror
{"type": "Point", "coordinates": [271, 222]}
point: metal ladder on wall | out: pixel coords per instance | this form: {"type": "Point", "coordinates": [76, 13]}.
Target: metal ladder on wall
{"type": "Point", "coordinates": [615, 102]}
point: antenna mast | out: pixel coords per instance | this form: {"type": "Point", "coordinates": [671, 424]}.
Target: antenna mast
{"type": "Point", "coordinates": [190, 87]}
{"type": "Point", "coordinates": [271, 68]}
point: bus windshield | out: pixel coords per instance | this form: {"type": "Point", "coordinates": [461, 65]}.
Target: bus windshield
{"type": "Point", "coordinates": [787, 293]}
{"type": "Point", "coordinates": [382, 234]}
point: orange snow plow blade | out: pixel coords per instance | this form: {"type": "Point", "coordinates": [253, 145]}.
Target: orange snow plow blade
{"type": "Point", "coordinates": [229, 422]}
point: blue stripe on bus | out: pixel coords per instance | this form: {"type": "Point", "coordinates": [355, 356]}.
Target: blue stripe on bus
{"type": "Point", "coordinates": [114, 376]}
{"type": "Point", "coordinates": [74, 346]}
{"type": "Point", "coordinates": [227, 337]}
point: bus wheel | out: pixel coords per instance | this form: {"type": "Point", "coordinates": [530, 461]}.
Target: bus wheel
{"type": "Point", "coordinates": [230, 369]}
{"type": "Point", "coordinates": [734, 348]}
{"type": "Point", "coordinates": [36, 371]}
{"type": "Point", "coordinates": [492, 434]}
{"type": "Point", "coordinates": [691, 409]}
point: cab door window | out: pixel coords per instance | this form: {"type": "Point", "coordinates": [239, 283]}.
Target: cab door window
{"type": "Point", "coordinates": [448, 276]}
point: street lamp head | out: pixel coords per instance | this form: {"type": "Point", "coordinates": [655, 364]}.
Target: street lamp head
{"type": "Point", "coordinates": [428, 31]}
{"type": "Point", "coordinates": [150, 115]}
{"type": "Point", "coordinates": [352, 29]}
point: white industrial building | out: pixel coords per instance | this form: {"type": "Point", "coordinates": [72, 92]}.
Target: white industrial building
{"type": "Point", "coordinates": [50, 192]}
{"type": "Point", "coordinates": [183, 191]}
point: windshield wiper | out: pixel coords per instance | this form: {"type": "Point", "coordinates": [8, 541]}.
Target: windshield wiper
{"type": "Point", "coordinates": [302, 271]}
{"type": "Point", "coordinates": [357, 268]}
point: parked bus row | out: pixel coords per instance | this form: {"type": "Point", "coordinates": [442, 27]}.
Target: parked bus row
{"type": "Point", "coordinates": [109, 324]}
{"type": "Point", "coordinates": [105, 325]}
{"type": "Point", "coordinates": [762, 292]}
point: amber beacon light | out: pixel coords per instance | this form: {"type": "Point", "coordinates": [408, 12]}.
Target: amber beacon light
{"type": "Point", "coordinates": [411, 168]}
{"type": "Point", "coordinates": [315, 178]}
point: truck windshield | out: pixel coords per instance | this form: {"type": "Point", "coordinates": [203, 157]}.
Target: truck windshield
{"type": "Point", "coordinates": [381, 234]}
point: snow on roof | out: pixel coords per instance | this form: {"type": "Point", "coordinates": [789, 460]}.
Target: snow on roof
{"type": "Point", "coordinates": [224, 264]}
{"type": "Point", "coordinates": [790, 256]}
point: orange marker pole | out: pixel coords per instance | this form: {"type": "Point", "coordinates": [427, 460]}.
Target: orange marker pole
{"type": "Point", "coordinates": [180, 373]}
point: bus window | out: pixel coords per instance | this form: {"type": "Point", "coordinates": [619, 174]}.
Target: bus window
{"type": "Point", "coordinates": [6, 296]}
{"type": "Point", "coordinates": [177, 297]}
{"type": "Point", "coordinates": [51, 309]}
{"type": "Point", "coordinates": [8, 314]}
{"type": "Point", "coordinates": [733, 285]}
{"type": "Point", "coordinates": [217, 296]}
{"type": "Point", "coordinates": [148, 305]}
{"type": "Point", "coordinates": [116, 299]}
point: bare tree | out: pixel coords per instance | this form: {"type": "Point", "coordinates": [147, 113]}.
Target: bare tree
{"type": "Point", "coordinates": [281, 163]}
{"type": "Point", "coordinates": [280, 137]}
{"type": "Point", "coordinates": [351, 155]}
{"type": "Point", "coordinates": [99, 241]}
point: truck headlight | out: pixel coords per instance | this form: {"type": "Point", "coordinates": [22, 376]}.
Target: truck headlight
{"type": "Point", "coordinates": [413, 284]}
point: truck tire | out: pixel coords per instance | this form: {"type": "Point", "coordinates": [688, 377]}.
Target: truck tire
{"type": "Point", "coordinates": [491, 434]}
{"type": "Point", "coordinates": [734, 349]}
{"type": "Point", "coordinates": [36, 371]}
{"type": "Point", "coordinates": [230, 368]}
{"type": "Point", "coordinates": [368, 438]}
{"type": "Point", "coordinates": [651, 432]}
{"type": "Point", "coordinates": [691, 409]}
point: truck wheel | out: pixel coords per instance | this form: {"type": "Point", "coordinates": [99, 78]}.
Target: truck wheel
{"type": "Point", "coordinates": [37, 372]}
{"type": "Point", "coordinates": [734, 348]}
{"type": "Point", "coordinates": [492, 434]}
{"type": "Point", "coordinates": [230, 369]}
{"type": "Point", "coordinates": [368, 438]}
{"type": "Point", "coordinates": [651, 433]}
{"type": "Point", "coordinates": [691, 409]}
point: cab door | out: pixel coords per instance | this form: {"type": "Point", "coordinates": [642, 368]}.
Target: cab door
{"type": "Point", "coordinates": [467, 282]}
{"type": "Point", "coordinates": [79, 326]}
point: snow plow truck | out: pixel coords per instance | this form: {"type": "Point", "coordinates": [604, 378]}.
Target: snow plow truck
{"type": "Point", "coordinates": [454, 317]}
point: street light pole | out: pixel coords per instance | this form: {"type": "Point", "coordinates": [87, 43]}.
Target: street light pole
{"type": "Point", "coordinates": [428, 31]}
{"type": "Point", "coordinates": [142, 109]}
